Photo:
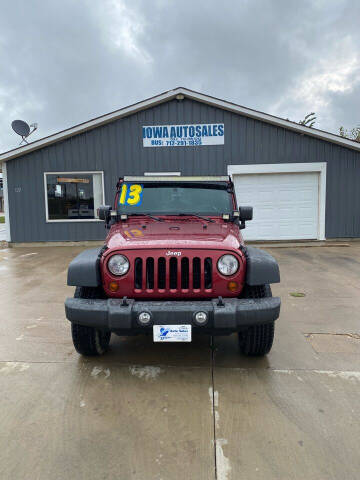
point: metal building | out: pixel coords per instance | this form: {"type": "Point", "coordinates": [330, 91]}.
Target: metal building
{"type": "Point", "coordinates": [302, 182]}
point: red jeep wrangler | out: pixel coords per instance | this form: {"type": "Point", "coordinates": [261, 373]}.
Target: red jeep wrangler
{"type": "Point", "coordinates": [174, 262]}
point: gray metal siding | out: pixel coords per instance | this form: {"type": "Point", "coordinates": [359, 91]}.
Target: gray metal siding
{"type": "Point", "coordinates": [116, 149]}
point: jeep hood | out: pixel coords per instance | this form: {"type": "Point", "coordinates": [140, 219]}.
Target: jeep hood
{"type": "Point", "coordinates": [171, 234]}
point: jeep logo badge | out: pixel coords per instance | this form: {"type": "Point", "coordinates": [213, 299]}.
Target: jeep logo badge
{"type": "Point", "coordinates": [169, 253]}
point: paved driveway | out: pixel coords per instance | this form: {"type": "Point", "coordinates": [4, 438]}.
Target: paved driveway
{"type": "Point", "coordinates": [195, 411]}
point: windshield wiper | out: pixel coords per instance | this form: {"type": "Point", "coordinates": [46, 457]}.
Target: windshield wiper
{"type": "Point", "coordinates": [146, 215]}
{"type": "Point", "coordinates": [195, 215]}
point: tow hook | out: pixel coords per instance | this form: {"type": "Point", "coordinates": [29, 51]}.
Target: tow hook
{"type": "Point", "coordinates": [220, 302]}
{"type": "Point", "coordinates": [124, 302]}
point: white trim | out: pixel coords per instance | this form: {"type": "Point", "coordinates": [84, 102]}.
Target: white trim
{"type": "Point", "coordinates": [164, 174]}
{"type": "Point", "coordinates": [96, 122]}
{"type": "Point", "coordinates": [169, 95]}
{"type": "Point", "coordinates": [72, 219]}
{"type": "Point", "coordinates": [6, 203]}
{"type": "Point", "coordinates": [265, 117]}
{"type": "Point", "coordinates": [264, 168]}
{"type": "Point", "coordinates": [75, 220]}
{"type": "Point", "coordinates": [277, 168]}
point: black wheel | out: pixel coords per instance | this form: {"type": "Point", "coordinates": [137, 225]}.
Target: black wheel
{"type": "Point", "coordinates": [257, 340]}
{"type": "Point", "coordinates": [89, 340]}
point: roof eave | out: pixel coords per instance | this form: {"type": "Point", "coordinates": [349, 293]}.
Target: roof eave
{"type": "Point", "coordinates": [277, 121]}
{"type": "Point", "coordinates": [169, 95]}
{"type": "Point", "coordinates": [89, 125]}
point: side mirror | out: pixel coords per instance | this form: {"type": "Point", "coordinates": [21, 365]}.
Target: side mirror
{"type": "Point", "coordinates": [104, 212]}
{"type": "Point", "coordinates": [246, 213]}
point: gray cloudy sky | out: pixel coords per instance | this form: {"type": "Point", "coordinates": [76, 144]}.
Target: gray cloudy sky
{"type": "Point", "coordinates": [64, 62]}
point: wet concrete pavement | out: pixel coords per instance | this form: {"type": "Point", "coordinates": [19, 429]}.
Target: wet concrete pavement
{"type": "Point", "coordinates": [169, 411]}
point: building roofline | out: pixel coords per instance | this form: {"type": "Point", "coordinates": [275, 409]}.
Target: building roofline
{"type": "Point", "coordinates": [169, 95]}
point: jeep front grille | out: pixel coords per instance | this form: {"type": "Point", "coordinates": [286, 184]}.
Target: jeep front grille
{"type": "Point", "coordinates": [173, 273]}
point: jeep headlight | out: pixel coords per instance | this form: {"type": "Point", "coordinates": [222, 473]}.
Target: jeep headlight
{"type": "Point", "coordinates": [118, 265]}
{"type": "Point", "coordinates": [228, 265]}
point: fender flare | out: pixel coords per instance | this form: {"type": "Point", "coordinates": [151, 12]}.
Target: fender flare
{"type": "Point", "coordinates": [84, 269]}
{"type": "Point", "coordinates": [261, 267]}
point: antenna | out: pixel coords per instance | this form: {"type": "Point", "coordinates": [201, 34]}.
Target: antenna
{"type": "Point", "coordinates": [22, 128]}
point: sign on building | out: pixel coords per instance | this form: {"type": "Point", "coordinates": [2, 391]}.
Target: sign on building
{"type": "Point", "coordinates": [183, 135]}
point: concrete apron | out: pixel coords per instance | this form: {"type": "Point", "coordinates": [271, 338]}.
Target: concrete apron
{"type": "Point", "coordinates": [199, 410]}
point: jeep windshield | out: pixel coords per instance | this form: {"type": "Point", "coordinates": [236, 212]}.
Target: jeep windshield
{"type": "Point", "coordinates": [180, 199]}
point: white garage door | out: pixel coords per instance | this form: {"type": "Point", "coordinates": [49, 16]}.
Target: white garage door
{"type": "Point", "coordinates": [286, 205]}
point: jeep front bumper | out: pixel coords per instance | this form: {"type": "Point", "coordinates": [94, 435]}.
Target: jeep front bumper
{"type": "Point", "coordinates": [121, 315]}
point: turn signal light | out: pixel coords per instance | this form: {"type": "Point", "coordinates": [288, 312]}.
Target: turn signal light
{"type": "Point", "coordinates": [113, 287]}
{"type": "Point", "coordinates": [232, 286]}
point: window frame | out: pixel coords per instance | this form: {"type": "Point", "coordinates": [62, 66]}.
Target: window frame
{"type": "Point", "coordinates": [72, 220]}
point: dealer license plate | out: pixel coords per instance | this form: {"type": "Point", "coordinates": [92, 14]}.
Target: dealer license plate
{"type": "Point", "coordinates": [172, 333]}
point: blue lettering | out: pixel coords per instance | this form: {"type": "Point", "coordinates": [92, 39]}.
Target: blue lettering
{"type": "Point", "coordinates": [157, 132]}
{"type": "Point", "coordinates": [184, 131]}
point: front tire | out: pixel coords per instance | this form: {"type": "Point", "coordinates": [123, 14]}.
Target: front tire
{"type": "Point", "coordinates": [89, 341]}
{"type": "Point", "coordinates": [257, 340]}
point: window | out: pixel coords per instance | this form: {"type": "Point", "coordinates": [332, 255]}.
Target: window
{"type": "Point", "coordinates": [172, 199]}
{"type": "Point", "coordinates": [73, 196]}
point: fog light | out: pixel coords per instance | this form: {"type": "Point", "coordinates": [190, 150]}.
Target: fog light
{"type": "Point", "coordinates": [144, 318]}
{"type": "Point", "coordinates": [113, 287]}
{"type": "Point", "coordinates": [232, 286]}
{"type": "Point", "coordinates": [201, 318]}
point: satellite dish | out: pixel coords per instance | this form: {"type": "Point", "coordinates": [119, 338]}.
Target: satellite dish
{"type": "Point", "coordinates": [22, 128]}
